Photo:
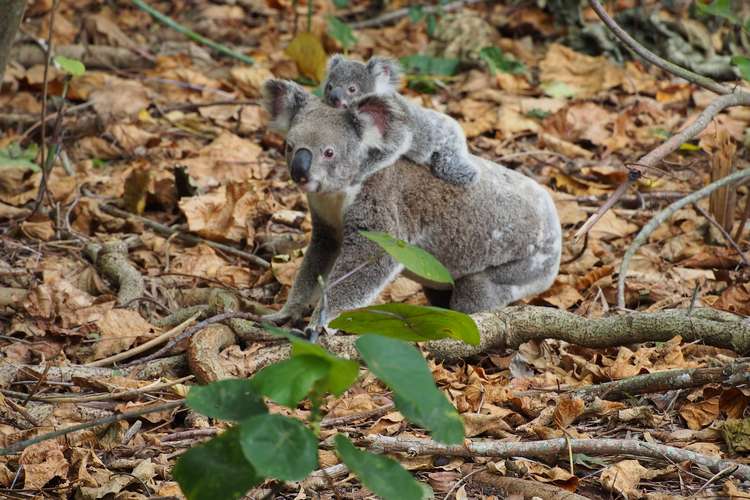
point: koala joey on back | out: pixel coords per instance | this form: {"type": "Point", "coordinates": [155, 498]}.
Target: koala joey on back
{"type": "Point", "coordinates": [500, 238]}
{"type": "Point", "coordinates": [435, 139]}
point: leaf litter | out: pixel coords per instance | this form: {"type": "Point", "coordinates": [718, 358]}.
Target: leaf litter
{"type": "Point", "coordinates": [571, 121]}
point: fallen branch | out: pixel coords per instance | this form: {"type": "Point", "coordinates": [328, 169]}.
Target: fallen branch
{"type": "Point", "coordinates": [732, 374]}
{"type": "Point", "coordinates": [665, 214]}
{"type": "Point", "coordinates": [512, 486]}
{"type": "Point", "coordinates": [92, 56]}
{"type": "Point", "coordinates": [111, 260]}
{"type": "Point", "coordinates": [395, 15]}
{"type": "Point", "coordinates": [553, 448]}
{"type": "Point", "coordinates": [188, 238]}
{"type": "Point", "coordinates": [21, 445]}
{"type": "Point", "coordinates": [168, 21]}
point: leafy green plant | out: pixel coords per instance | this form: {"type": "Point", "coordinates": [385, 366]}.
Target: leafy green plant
{"type": "Point", "coordinates": [723, 9]}
{"type": "Point", "coordinates": [341, 32]}
{"type": "Point", "coordinates": [497, 61]}
{"type": "Point", "coordinates": [15, 156]}
{"type": "Point", "coordinates": [260, 445]}
{"type": "Point", "coordinates": [424, 72]}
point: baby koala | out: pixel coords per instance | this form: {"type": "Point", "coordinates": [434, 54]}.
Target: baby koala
{"type": "Point", "coordinates": [433, 138]}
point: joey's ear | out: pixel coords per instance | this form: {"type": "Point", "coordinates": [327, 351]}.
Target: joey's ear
{"type": "Point", "coordinates": [376, 117]}
{"type": "Point", "coordinates": [387, 73]}
{"type": "Point", "coordinates": [283, 100]}
{"type": "Point", "coordinates": [333, 61]}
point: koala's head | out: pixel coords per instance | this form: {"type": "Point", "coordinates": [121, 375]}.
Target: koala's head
{"type": "Point", "coordinates": [347, 79]}
{"type": "Point", "coordinates": [332, 149]}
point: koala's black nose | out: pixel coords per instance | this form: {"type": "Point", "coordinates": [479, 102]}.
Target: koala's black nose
{"type": "Point", "coordinates": [300, 166]}
{"type": "Point", "coordinates": [337, 97]}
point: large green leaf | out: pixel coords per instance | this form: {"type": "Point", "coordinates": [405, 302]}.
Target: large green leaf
{"type": "Point", "coordinates": [342, 372]}
{"type": "Point", "coordinates": [497, 61]}
{"type": "Point", "coordinates": [382, 475]}
{"type": "Point", "coordinates": [341, 32]}
{"type": "Point", "coordinates": [216, 469]}
{"type": "Point", "coordinates": [279, 446]}
{"type": "Point", "coordinates": [719, 8]}
{"type": "Point", "coordinates": [409, 322]}
{"type": "Point", "coordinates": [404, 370]}
{"type": "Point", "coordinates": [743, 64]}
{"type": "Point", "coordinates": [14, 156]}
{"type": "Point", "coordinates": [231, 399]}
{"type": "Point", "coordinates": [413, 258]}
{"type": "Point", "coordinates": [289, 381]}
{"type": "Point", "coordinates": [429, 65]}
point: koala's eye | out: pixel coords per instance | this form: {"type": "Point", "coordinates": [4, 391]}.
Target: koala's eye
{"type": "Point", "coordinates": [352, 89]}
{"type": "Point", "coordinates": [328, 153]}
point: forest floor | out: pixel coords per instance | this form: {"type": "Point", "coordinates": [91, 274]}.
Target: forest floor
{"type": "Point", "coordinates": [162, 128]}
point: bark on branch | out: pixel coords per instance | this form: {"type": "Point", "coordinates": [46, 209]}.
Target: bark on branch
{"type": "Point", "coordinates": [10, 20]}
{"type": "Point", "coordinates": [553, 448]}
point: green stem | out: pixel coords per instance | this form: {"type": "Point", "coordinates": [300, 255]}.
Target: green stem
{"type": "Point", "coordinates": [223, 49]}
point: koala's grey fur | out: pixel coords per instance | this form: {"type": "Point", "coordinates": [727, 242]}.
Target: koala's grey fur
{"type": "Point", "coordinates": [433, 138]}
{"type": "Point", "coordinates": [500, 239]}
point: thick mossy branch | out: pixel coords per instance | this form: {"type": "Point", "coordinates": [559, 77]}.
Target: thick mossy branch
{"type": "Point", "coordinates": [512, 326]}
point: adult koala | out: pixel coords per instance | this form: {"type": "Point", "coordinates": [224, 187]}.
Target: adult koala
{"type": "Point", "coordinates": [500, 238]}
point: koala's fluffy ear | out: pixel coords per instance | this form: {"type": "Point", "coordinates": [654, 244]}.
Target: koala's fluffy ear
{"type": "Point", "coordinates": [387, 74]}
{"type": "Point", "coordinates": [333, 61]}
{"type": "Point", "coordinates": [377, 118]}
{"type": "Point", "coordinates": [283, 100]}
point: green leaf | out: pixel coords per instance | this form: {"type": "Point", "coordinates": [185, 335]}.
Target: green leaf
{"type": "Point", "coordinates": [279, 446]}
{"type": "Point", "coordinates": [416, 13]}
{"type": "Point", "coordinates": [719, 8]}
{"type": "Point", "coordinates": [403, 369]}
{"type": "Point", "coordinates": [289, 381]}
{"type": "Point", "coordinates": [216, 469]}
{"type": "Point", "coordinates": [497, 61]}
{"type": "Point", "coordinates": [231, 399]}
{"type": "Point", "coordinates": [431, 25]}
{"type": "Point", "coordinates": [409, 322]}
{"type": "Point", "coordinates": [537, 113]}
{"type": "Point", "coordinates": [559, 90]}
{"type": "Point", "coordinates": [15, 156]}
{"type": "Point", "coordinates": [341, 4]}
{"type": "Point", "coordinates": [587, 461]}
{"type": "Point", "coordinates": [382, 475]}
{"type": "Point", "coordinates": [341, 32]}
{"type": "Point", "coordinates": [342, 372]}
{"type": "Point", "coordinates": [743, 64]}
{"type": "Point", "coordinates": [428, 65]}
{"type": "Point", "coordinates": [73, 67]}
{"type": "Point", "coordinates": [413, 258]}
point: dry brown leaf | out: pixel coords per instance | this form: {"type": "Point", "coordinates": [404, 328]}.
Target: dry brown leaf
{"type": "Point", "coordinates": [585, 74]}
{"type": "Point", "coordinates": [561, 295]}
{"type": "Point", "coordinates": [42, 230]}
{"type": "Point", "coordinates": [250, 79]}
{"type": "Point", "coordinates": [623, 477]}
{"type": "Point", "coordinates": [700, 414]}
{"type": "Point", "coordinates": [567, 410]}
{"type": "Point", "coordinates": [41, 463]}
{"type": "Point", "coordinates": [119, 329]}
{"type": "Point", "coordinates": [611, 226]}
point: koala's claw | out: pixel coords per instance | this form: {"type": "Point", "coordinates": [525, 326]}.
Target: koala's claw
{"type": "Point", "coordinates": [277, 318]}
{"type": "Point", "coordinates": [312, 334]}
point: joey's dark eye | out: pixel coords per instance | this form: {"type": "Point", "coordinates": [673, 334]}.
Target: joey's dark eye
{"type": "Point", "coordinates": [352, 89]}
{"type": "Point", "coordinates": [328, 153]}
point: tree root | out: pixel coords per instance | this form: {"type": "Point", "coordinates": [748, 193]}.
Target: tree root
{"type": "Point", "coordinates": [203, 353]}
{"type": "Point", "coordinates": [527, 489]}
{"type": "Point", "coordinates": [553, 448]}
{"type": "Point", "coordinates": [111, 260]}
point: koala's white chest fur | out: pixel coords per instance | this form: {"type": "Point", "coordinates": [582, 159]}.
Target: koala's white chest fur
{"type": "Point", "coordinates": [330, 207]}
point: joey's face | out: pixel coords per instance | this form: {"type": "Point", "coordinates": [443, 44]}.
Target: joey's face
{"type": "Point", "coordinates": [350, 80]}
{"type": "Point", "coordinates": [323, 152]}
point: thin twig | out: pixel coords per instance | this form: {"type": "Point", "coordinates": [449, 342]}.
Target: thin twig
{"type": "Point", "coordinates": [145, 346]}
{"type": "Point", "coordinates": [672, 144]}
{"type": "Point", "coordinates": [662, 216]}
{"type": "Point", "coordinates": [649, 56]}
{"type": "Point", "coordinates": [727, 237]}
{"type": "Point", "coordinates": [77, 398]}
{"type": "Point", "coordinates": [21, 445]}
{"type": "Point", "coordinates": [194, 329]}
{"type": "Point", "coordinates": [168, 21]}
